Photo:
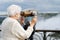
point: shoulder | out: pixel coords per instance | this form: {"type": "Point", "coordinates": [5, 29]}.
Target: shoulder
{"type": "Point", "coordinates": [9, 20]}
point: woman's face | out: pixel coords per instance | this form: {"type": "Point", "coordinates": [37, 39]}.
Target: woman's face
{"type": "Point", "coordinates": [22, 20]}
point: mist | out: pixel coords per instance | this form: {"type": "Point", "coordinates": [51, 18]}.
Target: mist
{"type": "Point", "coordinates": [50, 23]}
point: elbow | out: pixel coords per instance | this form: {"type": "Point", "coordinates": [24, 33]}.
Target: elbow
{"type": "Point", "coordinates": [26, 36]}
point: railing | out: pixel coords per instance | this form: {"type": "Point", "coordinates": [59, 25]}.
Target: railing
{"type": "Point", "coordinates": [38, 36]}
{"type": "Point", "coordinates": [0, 30]}
{"type": "Point", "coordinates": [44, 37]}
{"type": "Point", "coordinates": [41, 34]}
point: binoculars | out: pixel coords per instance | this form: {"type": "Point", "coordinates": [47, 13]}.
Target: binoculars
{"type": "Point", "coordinates": [28, 13]}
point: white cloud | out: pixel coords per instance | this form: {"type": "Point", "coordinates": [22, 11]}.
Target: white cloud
{"type": "Point", "coordinates": [56, 0]}
{"type": "Point", "coordinates": [4, 1]}
{"type": "Point", "coordinates": [37, 4]}
{"type": "Point", "coordinates": [49, 5]}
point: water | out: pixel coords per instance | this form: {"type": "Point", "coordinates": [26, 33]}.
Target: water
{"type": "Point", "coordinates": [51, 23]}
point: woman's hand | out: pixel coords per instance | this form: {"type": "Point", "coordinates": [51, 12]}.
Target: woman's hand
{"type": "Point", "coordinates": [33, 22]}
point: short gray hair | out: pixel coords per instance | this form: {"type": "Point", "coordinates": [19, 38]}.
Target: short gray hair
{"type": "Point", "coordinates": [13, 9]}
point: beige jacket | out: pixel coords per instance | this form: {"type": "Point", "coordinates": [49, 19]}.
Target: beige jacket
{"type": "Point", "coordinates": [12, 30]}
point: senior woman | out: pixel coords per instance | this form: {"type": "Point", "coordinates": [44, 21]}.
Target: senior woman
{"type": "Point", "coordinates": [12, 29]}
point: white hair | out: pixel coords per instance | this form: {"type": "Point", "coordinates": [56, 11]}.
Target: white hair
{"type": "Point", "coordinates": [13, 10]}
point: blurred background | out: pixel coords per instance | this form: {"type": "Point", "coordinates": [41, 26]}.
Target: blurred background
{"type": "Point", "coordinates": [48, 13]}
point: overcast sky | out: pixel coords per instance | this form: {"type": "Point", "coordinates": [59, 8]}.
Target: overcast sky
{"type": "Point", "coordinates": [40, 5]}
